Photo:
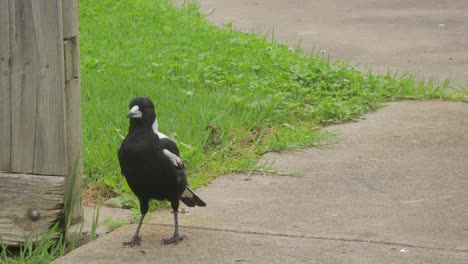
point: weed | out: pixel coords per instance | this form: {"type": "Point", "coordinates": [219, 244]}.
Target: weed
{"type": "Point", "coordinates": [92, 235]}
{"type": "Point", "coordinates": [112, 224]}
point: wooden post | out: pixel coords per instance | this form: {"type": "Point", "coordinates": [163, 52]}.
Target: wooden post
{"type": "Point", "coordinates": [40, 118]}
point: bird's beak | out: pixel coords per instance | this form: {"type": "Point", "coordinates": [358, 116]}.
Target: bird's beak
{"type": "Point", "coordinates": [134, 112]}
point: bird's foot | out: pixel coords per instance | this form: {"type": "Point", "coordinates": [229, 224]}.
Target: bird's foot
{"type": "Point", "coordinates": [173, 240]}
{"type": "Point", "coordinates": [136, 241]}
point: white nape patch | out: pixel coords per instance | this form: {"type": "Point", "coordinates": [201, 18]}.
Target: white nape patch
{"type": "Point", "coordinates": [155, 129]}
{"type": "Point", "coordinates": [173, 158]}
{"type": "Point", "coordinates": [135, 112]}
{"type": "Point", "coordinates": [155, 126]}
{"type": "Point", "coordinates": [161, 135]}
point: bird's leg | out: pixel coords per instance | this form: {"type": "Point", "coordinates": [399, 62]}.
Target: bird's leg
{"type": "Point", "coordinates": [175, 238]}
{"type": "Point", "coordinates": [136, 239]}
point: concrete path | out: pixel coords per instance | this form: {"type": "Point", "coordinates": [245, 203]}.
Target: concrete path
{"type": "Point", "coordinates": [394, 190]}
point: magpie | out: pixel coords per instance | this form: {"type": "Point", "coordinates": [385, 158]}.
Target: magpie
{"type": "Point", "coordinates": [151, 164]}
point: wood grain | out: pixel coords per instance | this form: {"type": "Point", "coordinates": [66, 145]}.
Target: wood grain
{"type": "Point", "coordinates": [24, 80]}
{"type": "Point", "coordinates": [70, 18]}
{"type": "Point", "coordinates": [50, 141]}
{"type": "Point", "coordinates": [20, 193]}
{"type": "Point", "coordinates": [37, 88]}
{"type": "Point", "coordinates": [5, 55]}
{"type": "Point", "coordinates": [73, 181]}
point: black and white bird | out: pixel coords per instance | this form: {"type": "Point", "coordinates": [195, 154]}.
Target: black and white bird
{"type": "Point", "coordinates": [151, 164]}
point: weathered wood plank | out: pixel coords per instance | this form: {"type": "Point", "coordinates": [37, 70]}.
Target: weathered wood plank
{"type": "Point", "coordinates": [50, 155]}
{"type": "Point", "coordinates": [37, 81]}
{"type": "Point", "coordinates": [73, 180]}
{"type": "Point", "coordinates": [4, 87]}
{"type": "Point", "coordinates": [24, 79]}
{"type": "Point", "coordinates": [70, 18]}
{"type": "Point", "coordinates": [74, 177]}
{"type": "Point", "coordinates": [20, 196]}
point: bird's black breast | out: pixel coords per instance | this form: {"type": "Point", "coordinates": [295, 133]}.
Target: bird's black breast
{"type": "Point", "coordinates": [148, 172]}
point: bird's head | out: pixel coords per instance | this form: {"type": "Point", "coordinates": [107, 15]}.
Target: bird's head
{"type": "Point", "coordinates": [141, 111]}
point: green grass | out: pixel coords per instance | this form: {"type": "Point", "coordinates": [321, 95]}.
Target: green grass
{"type": "Point", "coordinates": [47, 248]}
{"type": "Point", "coordinates": [225, 96]}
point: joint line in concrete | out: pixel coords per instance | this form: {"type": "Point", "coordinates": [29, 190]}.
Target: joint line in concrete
{"type": "Point", "coordinates": [355, 240]}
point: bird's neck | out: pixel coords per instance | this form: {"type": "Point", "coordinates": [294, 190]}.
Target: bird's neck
{"type": "Point", "coordinates": [140, 125]}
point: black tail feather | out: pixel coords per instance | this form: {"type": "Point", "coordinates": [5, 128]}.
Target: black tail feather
{"type": "Point", "coordinates": [190, 199]}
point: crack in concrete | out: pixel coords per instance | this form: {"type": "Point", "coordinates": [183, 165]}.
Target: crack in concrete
{"type": "Point", "coordinates": [305, 236]}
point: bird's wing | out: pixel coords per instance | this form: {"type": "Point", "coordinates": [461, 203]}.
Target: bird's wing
{"type": "Point", "coordinates": [188, 197]}
{"type": "Point", "coordinates": [175, 160]}
{"type": "Point", "coordinates": [122, 165]}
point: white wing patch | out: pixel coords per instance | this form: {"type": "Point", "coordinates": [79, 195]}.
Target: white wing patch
{"type": "Point", "coordinates": [155, 126]}
{"type": "Point", "coordinates": [173, 158]}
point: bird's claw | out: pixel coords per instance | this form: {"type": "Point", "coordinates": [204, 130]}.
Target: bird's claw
{"type": "Point", "coordinates": [136, 241]}
{"type": "Point", "coordinates": [173, 240]}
